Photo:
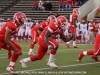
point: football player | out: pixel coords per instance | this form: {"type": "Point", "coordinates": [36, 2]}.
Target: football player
{"type": "Point", "coordinates": [45, 42]}
{"type": "Point", "coordinates": [7, 31]}
{"type": "Point", "coordinates": [36, 31]}
{"type": "Point", "coordinates": [73, 26]}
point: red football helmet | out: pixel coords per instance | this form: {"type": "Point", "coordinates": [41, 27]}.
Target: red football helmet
{"type": "Point", "coordinates": [76, 10]}
{"type": "Point", "coordinates": [61, 21]}
{"type": "Point", "coordinates": [51, 18]}
{"type": "Point", "coordinates": [19, 18]}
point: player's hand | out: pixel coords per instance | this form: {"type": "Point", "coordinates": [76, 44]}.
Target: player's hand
{"type": "Point", "coordinates": [18, 52]}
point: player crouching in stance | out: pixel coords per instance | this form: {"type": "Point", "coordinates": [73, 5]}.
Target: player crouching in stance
{"type": "Point", "coordinates": [6, 32]}
{"type": "Point", "coordinates": [45, 42]}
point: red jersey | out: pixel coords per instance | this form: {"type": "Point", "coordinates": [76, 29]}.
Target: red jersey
{"type": "Point", "coordinates": [61, 2]}
{"type": "Point", "coordinates": [42, 24]}
{"type": "Point", "coordinates": [12, 26]}
{"type": "Point", "coordinates": [91, 27]}
{"type": "Point", "coordinates": [73, 15]}
{"type": "Point", "coordinates": [35, 4]}
{"type": "Point", "coordinates": [53, 28]}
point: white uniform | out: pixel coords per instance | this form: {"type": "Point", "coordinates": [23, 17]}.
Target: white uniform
{"type": "Point", "coordinates": [77, 29]}
{"type": "Point", "coordinates": [21, 31]}
{"type": "Point", "coordinates": [67, 28]}
{"type": "Point", "coordinates": [83, 29]}
{"type": "Point", "coordinates": [28, 28]}
{"type": "Point", "coordinates": [1, 24]}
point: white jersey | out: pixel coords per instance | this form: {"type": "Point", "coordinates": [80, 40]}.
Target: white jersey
{"type": "Point", "coordinates": [83, 27]}
{"type": "Point", "coordinates": [77, 29]}
{"type": "Point", "coordinates": [77, 24]}
{"type": "Point", "coordinates": [66, 29]}
{"type": "Point", "coordinates": [21, 30]}
{"type": "Point", "coordinates": [29, 25]}
{"type": "Point", "coordinates": [1, 24]}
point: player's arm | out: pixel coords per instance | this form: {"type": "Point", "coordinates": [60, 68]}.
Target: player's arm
{"type": "Point", "coordinates": [74, 22]}
{"type": "Point", "coordinates": [46, 37]}
{"type": "Point", "coordinates": [7, 39]}
{"type": "Point", "coordinates": [65, 39]}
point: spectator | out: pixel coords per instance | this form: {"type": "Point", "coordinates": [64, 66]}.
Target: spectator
{"type": "Point", "coordinates": [98, 12]}
{"type": "Point", "coordinates": [74, 2]}
{"type": "Point", "coordinates": [61, 4]}
{"type": "Point", "coordinates": [44, 6]}
{"type": "Point", "coordinates": [48, 6]}
{"type": "Point", "coordinates": [35, 5]}
{"type": "Point", "coordinates": [69, 1]}
{"type": "Point", "coordinates": [40, 5]}
{"type": "Point", "coordinates": [56, 14]}
{"type": "Point", "coordinates": [80, 2]}
{"type": "Point", "coordinates": [68, 4]}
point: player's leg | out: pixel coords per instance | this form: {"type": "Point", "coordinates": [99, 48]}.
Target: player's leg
{"type": "Point", "coordinates": [26, 34]}
{"type": "Point", "coordinates": [73, 31]}
{"type": "Point", "coordinates": [96, 48]}
{"type": "Point", "coordinates": [42, 49]}
{"type": "Point", "coordinates": [67, 34]}
{"type": "Point", "coordinates": [94, 52]}
{"type": "Point", "coordinates": [53, 53]}
{"type": "Point", "coordinates": [14, 58]}
{"type": "Point", "coordinates": [22, 35]}
{"type": "Point", "coordinates": [34, 40]}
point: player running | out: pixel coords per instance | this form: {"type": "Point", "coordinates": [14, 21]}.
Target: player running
{"type": "Point", "coordinates": [45, 42]}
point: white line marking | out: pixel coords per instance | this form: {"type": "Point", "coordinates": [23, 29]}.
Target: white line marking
{"type": "Point", "coordinates": [57, 50]}
{"type": "Point", "coordinates": [51, 68]}
{"type": "Point", "coordinates": [3, 57]}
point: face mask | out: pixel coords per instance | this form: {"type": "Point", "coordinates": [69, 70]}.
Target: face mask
{"type": "Point", "coordinates": [63, 26]}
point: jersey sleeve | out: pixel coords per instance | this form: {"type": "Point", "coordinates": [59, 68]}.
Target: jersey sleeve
{"type": "Point", "coordinates": [11, 26]}
{"type": "Point", "coordinates": [52, 27]}
{"type": "Point", "coordinates": [44, 24]}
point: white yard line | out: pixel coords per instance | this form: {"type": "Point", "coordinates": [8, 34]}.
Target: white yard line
{"type": "Point", "coordinates": [3, 57]}
{"type": "Point", "coordinates": [57, 50]}
{"type": "Point", "coordinates": [75, 65]}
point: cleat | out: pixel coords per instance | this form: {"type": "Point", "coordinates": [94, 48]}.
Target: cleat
{"type": "Point", "coordinates": [23, 64]}
{"type": "Point", "coordinates": [67, 45]}
{"type": "Point", "coordinates": [75, 46]}
{"type": "Point", "coordinates": [80, 55]}
{"type": "Point", "coordinates": [95, 58]}
{"type": "Point", "coordinates": [30, 53]}
{"type": "Point", "coordinates": [9, 54]}
{"type": "Point", "coordinates": [11, 69]}
{"type": "Point", "coordinates": [52, 65]}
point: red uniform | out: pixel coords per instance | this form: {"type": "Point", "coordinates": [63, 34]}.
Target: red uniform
{"type": "Point", "coordinates": [14, 29]}
{"type": "Point", "coordinates": [35, 29]}
{"type": "Point", "coordinates": [43, 47]}
{"type": "Point", "coordinates": [72, 27]}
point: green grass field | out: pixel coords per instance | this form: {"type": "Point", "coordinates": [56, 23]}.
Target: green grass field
{"type": "Point", "coordinates": [65, 59]}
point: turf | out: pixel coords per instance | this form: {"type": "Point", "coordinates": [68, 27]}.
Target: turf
{"type": "Point", "coordinates": [65, 59]}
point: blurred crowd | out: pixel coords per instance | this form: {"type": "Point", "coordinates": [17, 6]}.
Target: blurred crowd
{"type": "Point", "coordinates": [47, 5]}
